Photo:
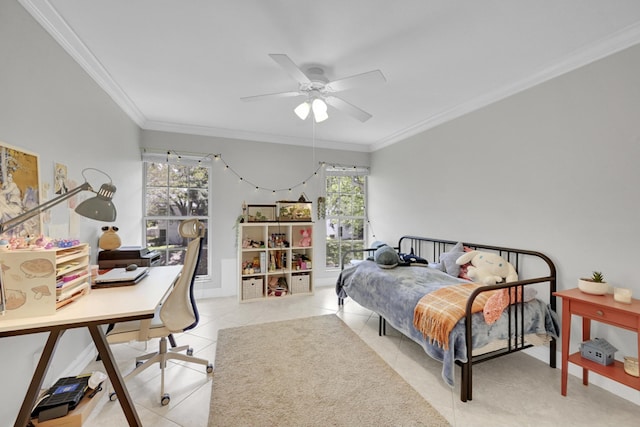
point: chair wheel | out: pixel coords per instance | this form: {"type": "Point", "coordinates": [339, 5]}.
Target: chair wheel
{"type": "Point", "coordinates": [209, 368]}
{"type": "Point", "coordinates": [189, 351]}
{"type": "Point", "coordinates": [113, 396]}
{"type": "Point", "coordinates": [138, 363]}
{"type": "Point", "coordinates": [165, 399]}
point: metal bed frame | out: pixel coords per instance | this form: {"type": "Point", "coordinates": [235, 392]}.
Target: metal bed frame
{"type": "Point", "coordinates": [431, 249]}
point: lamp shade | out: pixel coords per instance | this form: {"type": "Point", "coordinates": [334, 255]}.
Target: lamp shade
{"type": "Point", "coordinates": [302, 110]}
{"type": "Point", "coordinates": [100, 206]}
{"type": "Point", "coordinates": [319, 110]}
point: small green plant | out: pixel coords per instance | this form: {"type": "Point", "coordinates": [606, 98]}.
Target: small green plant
{"type": "Point", "coordinates": [597, 277]}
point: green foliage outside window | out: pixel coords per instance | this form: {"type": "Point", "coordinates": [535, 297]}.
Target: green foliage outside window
{"type": "Point", "coordinates": [175, 192]}
{"type": "Point", "coordinates": [345, 216]}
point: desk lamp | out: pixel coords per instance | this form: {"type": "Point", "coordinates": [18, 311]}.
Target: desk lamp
{"type": "Point", "coordinates": [99, 207]}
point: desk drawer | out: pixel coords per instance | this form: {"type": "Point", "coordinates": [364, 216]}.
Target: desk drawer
{"type": "Point", "coordinates": [604, 314]}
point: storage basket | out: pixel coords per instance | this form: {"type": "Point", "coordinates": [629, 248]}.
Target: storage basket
{"type": "Point", "coordinates": [252, 288]}
{"type": "Point", "coordinates": [300, 284]}
{"type": "Point", "coordinates": [598, 350]}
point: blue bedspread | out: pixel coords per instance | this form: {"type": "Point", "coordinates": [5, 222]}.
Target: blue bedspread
{"type": "Point", "coordinates": [394, 293]}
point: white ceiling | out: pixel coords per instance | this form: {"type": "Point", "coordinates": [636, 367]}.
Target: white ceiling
{"type": "Point", "coordinates": [183, 65]}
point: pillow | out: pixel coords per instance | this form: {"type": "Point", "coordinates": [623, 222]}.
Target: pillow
{"type": "Point", "coordinates": [464, 268]}
{"type": "Point", "coordinates": [497, 302]}
{"type": "Point", "coordinates": [386, 257]}
{"type": "Point", "coordinates": [448, 260]}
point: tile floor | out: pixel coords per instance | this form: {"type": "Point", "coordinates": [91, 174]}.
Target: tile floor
{"type": "Point", "coordinates": [499, 400]}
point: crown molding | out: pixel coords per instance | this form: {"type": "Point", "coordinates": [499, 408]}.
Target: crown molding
{"type": "Point", "coordinates": [607, 46]}
{"type": "Point", "coordinates": [252, 136]}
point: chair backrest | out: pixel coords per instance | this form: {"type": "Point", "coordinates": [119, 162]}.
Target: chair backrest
{"type": "Point", "coordinates": [179, 311]}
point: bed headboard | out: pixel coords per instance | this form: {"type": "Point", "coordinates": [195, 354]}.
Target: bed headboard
{"type": "Point", "coordinates": [527, 263]}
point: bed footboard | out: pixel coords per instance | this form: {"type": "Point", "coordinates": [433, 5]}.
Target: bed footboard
{"type": "Point", "coordinates": [544, 275]}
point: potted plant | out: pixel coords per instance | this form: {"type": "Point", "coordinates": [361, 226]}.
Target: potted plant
{"type": "Point", "coordinates": [595, 285]}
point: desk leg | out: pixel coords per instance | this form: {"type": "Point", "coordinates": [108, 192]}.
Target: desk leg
{"type": "Point", "coordinates": [38, 376]}
{"type": "Point", "coordinates": [586, 336]}
{"type": "Point", "coordinates": [114, 375]}
{"type": "Point", "coordinates": [566, 335]}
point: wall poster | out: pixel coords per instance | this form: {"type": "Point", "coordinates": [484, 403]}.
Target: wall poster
{"type": "Point", "coordinates": [19, 189]}
{"type": "Point", "coordinates": [60, 179]}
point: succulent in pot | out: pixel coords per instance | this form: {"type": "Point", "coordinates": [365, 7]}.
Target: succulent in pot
{"type": "Point", "coordinates": [595, 285]}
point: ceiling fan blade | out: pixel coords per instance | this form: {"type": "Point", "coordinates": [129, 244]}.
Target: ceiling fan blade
{"type": "Point", "coordinates": [290, 67]}
{"type": "Point", "coordinates": [345, 107]}
{"type": "Point", "coordinates": [272, 96]}
{"type": "Point", "coordinates": [369, 77]}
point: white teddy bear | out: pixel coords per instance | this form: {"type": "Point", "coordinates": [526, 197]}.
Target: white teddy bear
{"type": "Point", "coordinates": [487, 268]}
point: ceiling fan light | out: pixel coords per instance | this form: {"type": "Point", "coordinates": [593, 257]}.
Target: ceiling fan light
{"type": "Point", "coordinates": [320, 117]}
{"type": "Point", "coordinates": [302, 110]}
{"type": "Point", "coordinates": [319, 110]}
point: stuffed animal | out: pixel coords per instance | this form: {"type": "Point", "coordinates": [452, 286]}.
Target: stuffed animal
{"type": "Point", "coordinates": [306, 237]}
{"type": "Point", "coordinates": [109, 239]}
{"type": "Point", "coordinates": [487, 268]}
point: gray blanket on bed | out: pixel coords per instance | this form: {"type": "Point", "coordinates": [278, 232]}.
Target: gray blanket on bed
{"type": "Point", "coordinates": [394, 293]}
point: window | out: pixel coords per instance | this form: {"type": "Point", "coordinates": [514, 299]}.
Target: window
{"type": "Point", "coordinates": [175, 191]}
{"type": "Point", "coordinates": [345, 211]}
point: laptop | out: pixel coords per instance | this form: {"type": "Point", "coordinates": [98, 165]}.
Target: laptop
{"type": "Point", "coordinates": [64, 395]}
{"type": "Point", "coordinates": [120, 277]}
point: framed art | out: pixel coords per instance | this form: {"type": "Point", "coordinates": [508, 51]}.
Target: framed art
{"type": "Point", "coordinates": [61, 185]}
{"type": "Point", "coordinates": [261, 213]}
{"type": "Point", "coordinates": [19, 189]}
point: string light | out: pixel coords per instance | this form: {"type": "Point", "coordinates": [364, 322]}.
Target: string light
{"type": "Point", "coordinates": [218, 158]}
{"type": "Point", "coordinates": [171, 154]}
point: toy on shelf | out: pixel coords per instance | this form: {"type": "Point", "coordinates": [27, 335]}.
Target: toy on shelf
{"type": "Point", "coordinates": [35, 243]}
{"type": "Point", "coordinates": [305, 241]}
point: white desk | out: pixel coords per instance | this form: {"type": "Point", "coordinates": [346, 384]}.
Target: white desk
{"type": "Point", "coordinates": [99, 307]}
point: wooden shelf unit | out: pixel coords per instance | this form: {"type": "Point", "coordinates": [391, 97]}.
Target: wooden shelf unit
{"type": "Point", "coordinates": [274, 253]}
{"type": "Point", "coordinates": [604, 309]}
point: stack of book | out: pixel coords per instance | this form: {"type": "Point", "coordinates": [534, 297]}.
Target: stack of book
{"type": "Point", "coordinates": [72, 281]}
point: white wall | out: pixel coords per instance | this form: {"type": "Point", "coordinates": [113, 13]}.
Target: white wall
{"type": "Point", "coordinates": [553, 169]}
{"type": "Point", "coordinates": [50, 107]}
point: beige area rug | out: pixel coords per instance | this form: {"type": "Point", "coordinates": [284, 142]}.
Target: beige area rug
{"type": "Point", "coordinates": [309, 372]}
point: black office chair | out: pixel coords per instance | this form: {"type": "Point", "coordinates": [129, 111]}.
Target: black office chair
{"type": "Point", "coordinates": [178, 313]}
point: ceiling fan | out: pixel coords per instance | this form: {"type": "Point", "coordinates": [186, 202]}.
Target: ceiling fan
{"type": "Point", "coordinates": [319, 91]}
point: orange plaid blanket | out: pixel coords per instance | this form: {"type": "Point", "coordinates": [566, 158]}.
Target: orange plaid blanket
{"type": "Point", "coordinates": [437, 312]}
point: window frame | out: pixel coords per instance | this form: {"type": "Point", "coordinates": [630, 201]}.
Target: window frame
{"type": "Point", "coordinates": [343, 171]}
{"type": "Point", "coordinates": [182, 160]}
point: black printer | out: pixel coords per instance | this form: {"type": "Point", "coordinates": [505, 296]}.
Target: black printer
{"type": "Point", "coordinates": [125, 255]}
